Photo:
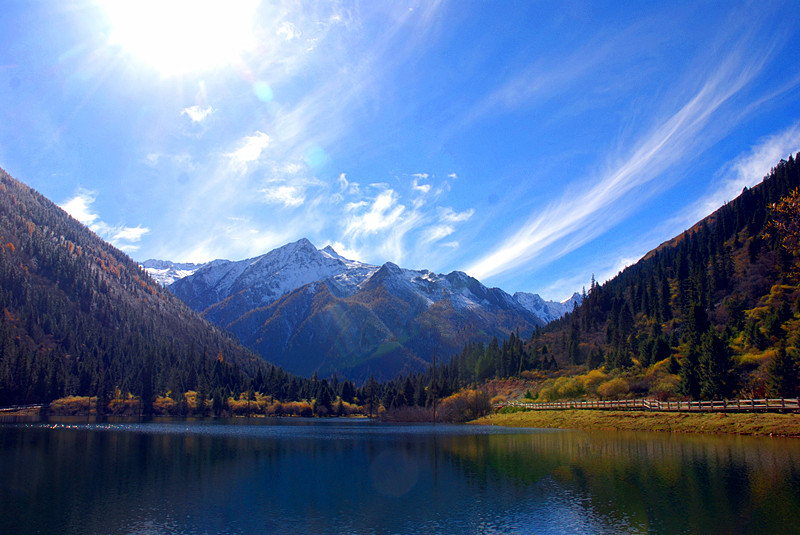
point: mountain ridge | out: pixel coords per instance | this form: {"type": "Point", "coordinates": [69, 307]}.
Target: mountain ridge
{"type": "Point", "coordinates": [168, 272]}
{"type": "Point", "coordinates": [271, 301]}
{"type": "Point", "coordinates": [711, 313]}
{"type": "Point", "coordinates": [79, 317]}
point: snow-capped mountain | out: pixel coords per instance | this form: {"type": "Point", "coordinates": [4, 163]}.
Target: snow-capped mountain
{"type": "Point", "coordinates": [258, 282]}
{"type": "Point", "coordinates": [312, 310]}
{"type": "Point", "coordinates": [547, 310]}
{"type": "Point", "coordinates": [165, 272]}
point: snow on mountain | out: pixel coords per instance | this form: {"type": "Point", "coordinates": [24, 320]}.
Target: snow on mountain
{"type": "Point", "coordinates": [312, 310]}
{"type": "Point", "coordinates": [547, 310]}
{"type": "Point", "coordinates": [165, 272]}
{"type": "Point", "coordinates": [260, 281]}
{"type": "Point", "coordinates": [463, 291]}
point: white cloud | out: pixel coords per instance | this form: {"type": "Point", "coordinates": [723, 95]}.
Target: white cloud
{"type": "Point", "coordinates": [351, 206]}
{"type": "Point", "coordinates": [130, 234]}
{"type": "Point", "coordinates": [79, 206]}
{"type": "Point", "coordinates": [288, 31]}
{"type": "Point", "coordinates": [236, 238]}
{"type": "Point", "coordinates": [292, 168]}
{"type": "Point", "coordinates": [383, 213]}
{"type": "Point", "coordinates": [250, 149]}
{"type": "Point", "coordinates": [422, 188]}
{"type": "Point", "coordinates": [289, 196]}
{"type": "Point", "coordinates": [197, 113]}
{"type": "Point", "coordinates": [122, 237]}
{"type": "Point", "coordinates": [446, 226]}
{"type": "Point", "coordinates": [447, 214]}
{"type": "Point", "coordinates": [347, 252]}
{"type": "Point", "coordinates": [394, 225]}
{"type": "Point", "coordinates": [436, 233]}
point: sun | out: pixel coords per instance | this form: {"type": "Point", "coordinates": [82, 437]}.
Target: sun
{"type": "Point", "coordinates": [181, 36]}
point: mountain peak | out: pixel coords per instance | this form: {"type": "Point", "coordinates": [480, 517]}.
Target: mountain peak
{"type": "Point", "coordinates": [391, 267]}
{"type": "Point", "coordinates": [547, 310]}
{"type": "Point", "coordinates": [331, 252]}
{"type": "Point", "coordinates": [303, 245]}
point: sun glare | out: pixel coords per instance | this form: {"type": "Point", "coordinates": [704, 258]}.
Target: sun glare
{"type": "Point", "coordinates": [180, 36]}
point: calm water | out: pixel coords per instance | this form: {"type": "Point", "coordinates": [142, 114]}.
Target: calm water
{"type": "Point", "coordinates": [345, 476]}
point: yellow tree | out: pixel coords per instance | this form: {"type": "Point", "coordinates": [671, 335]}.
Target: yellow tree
{"type": "Point", "coordinates": [784, 225]}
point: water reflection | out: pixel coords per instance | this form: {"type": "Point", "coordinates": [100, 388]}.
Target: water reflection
{"type": "Point", "coordinates": [294, 476]}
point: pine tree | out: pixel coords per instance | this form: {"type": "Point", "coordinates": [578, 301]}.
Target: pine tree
{"type": "Point", "coordinates": [715, 367]}
{"type": "Point", "coordinates": [690, 377]}
{"type": "Point", "coordinates": [783, 380]}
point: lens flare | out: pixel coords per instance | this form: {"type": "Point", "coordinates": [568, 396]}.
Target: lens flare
{"type": "Point", "coordinates": [263, 91]}
{"type": "Point", "coordinates": [316, 157]}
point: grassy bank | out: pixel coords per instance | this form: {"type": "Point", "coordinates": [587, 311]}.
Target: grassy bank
{"type": "Point", "coordinates": [728, 423]}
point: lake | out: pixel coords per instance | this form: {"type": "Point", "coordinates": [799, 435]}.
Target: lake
{"type": "Point", "coordinates": [358, 476]}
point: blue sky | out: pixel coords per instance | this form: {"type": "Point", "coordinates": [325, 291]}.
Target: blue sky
{"type": "Point", "coordinates": [530, 144]}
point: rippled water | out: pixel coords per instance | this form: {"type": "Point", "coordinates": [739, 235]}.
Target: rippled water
{"type": "Point", "coordinates": [355, 476]}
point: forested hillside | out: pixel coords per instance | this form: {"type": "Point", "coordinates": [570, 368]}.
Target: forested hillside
{"type": "Point", "coordinates": [710, 314]}
{"type": "Point", "coordinates": [78, 317]}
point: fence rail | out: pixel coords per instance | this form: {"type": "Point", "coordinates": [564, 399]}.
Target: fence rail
{"type": "Point", "coordinates": [727, 405]}
{"type": "Point", "coordinates": [16, 408]}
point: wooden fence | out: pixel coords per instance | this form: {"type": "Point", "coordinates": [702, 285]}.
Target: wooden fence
{"type": "Point", "coordinates": [736, 405]}
{"type": "Point", "coordinates": [17, 408]}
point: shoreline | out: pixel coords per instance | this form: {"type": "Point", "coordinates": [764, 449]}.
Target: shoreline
{"type": "Point", "coordinates": [754, 424]}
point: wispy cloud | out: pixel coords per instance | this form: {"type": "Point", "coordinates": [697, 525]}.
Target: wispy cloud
{"type": "Point", "coordinates": [394, 224]}
{"type": "Point", "coordinates": [448, 215]}
{"type": "Point", "coordinates": [383, 213]}
{"type": "Point", "coordinates": [125, 238]}
{"type": "Point", "coordinates": [606, 268]}
{"type": "Point", "coordinates": [197, 113]}
{"type": "Point", "coordinates": [744, 172]}
{"type": "Point", "coordinates": [250, 149]}
{"type": "Point", "coordinates": [580, 216]}
{"type": "Point", "coordinates": [285, 195]}
{"type": "Point", "coordinates": [182, 162]}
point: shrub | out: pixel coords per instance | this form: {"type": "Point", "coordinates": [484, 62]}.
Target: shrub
{"type": "Point", "coordinates": [164, 406]}
{"type": "Point", "coordinates": [500, 398]}
{"type": "Point", "coordinates": [297, 408]}
{"type": "Point", "coordinates": [562, 388]}
{"type": "Point", "coordinates": [592, 380]}
{"type": "Point", "coordinates": [71, 405]}
{"type": "Point", "coordinates": [614, 389]}
{"type": "Point", "coordinates": [465, 405]}
{"type": "Point", "coordinates": [665, 387]}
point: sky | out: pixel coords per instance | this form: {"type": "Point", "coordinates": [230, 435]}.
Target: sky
{"type": "Point", "coordinates": [531, 144]}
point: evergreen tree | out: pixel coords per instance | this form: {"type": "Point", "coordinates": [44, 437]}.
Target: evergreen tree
{"type": "Point", "coordinates": [783, 380]}
{"type": "Point", "coordinates": [715, 366]}
{"type": "Point", "coordinates": [690, 377]}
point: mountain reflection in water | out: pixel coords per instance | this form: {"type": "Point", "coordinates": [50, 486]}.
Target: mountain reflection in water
{"type": "Point", "coordinates": [349, 476]}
